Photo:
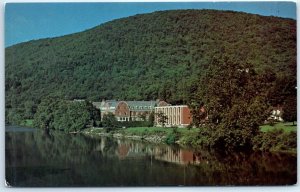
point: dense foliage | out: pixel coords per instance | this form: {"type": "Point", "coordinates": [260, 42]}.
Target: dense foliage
{"type": "Point", "coordinates": [110, 123]}
{"type": "Point", "coordinates": [161, 118]}
{"type": "Point", "coordinates": [290, 109]}
{"type": "Point", "coordinates": [276, 140]}
{"type": "Point", "coordinates": [68, 116]}
{"type": "Point", "coordinates": [159, 55]}
{"type": "Point", "coordinates": [235, 97]}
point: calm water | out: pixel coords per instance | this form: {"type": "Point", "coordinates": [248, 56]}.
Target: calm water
{"type": "Point", "coordinates": [34, 158]}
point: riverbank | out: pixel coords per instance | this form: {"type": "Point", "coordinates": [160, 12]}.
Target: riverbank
{"type": "Point", "coordinates": [152, 134]}
{"type": "Point", "coordinates": [280, 137]}
{"type": "Point", "coordinates": [271, 140]}
{"type": "Point", "coordinates": [136, 133]}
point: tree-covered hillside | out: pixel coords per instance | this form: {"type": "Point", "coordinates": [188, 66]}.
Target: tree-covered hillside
{"type": "Point", "coordinates": [158, 55]}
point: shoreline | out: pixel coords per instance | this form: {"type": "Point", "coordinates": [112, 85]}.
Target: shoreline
{"type": "Point", "coordinates": [150, 138]}
{"type": "Point", "coordinates": [155, 138]}
{"type": "Point", "coordinates": [161, 139]}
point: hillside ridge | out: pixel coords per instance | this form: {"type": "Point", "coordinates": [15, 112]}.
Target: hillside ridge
{"type": "Point", "coordinates": [160, 55]}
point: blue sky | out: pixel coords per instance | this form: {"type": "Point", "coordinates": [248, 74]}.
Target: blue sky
{"type": "Point", "coordinates": [28, 21]}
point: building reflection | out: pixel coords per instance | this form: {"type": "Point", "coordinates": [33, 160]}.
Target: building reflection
{"type": "Point", "coordinates": [132, 150]}
{"type": "Point", "coordinates": [179, 156]}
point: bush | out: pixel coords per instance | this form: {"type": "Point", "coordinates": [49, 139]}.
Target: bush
{"type": "Point", "coordinates": [172, 137]}
{"type": "Point", "coordinates": [109, 122]}
{"type": "Point", "coordinates": [271, 122]}
{"type": "Point", "coordinates": [199, 138]}
{"type": "Point", "coordinates": [275, 140]}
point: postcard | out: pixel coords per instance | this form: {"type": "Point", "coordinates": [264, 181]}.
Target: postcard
{"type": "Point", "coordinates": [122, 94]}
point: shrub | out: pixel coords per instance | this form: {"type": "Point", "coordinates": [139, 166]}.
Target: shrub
{"type": "Point", "coordinates": [173, 136]}
{"type": "Point", "coordinates": [275, 141]}
{"type": "Point", "coordinates": [170, 139]}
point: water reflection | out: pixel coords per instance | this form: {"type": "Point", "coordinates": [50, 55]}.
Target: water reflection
{"type": "Point", "coordinates": [56, 159]}
{"type": "Point", "coordinates": [127, 149]}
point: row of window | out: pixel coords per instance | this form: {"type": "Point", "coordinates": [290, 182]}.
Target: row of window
{"type": "Point", "coordinates": [127, 119]}
{"type": "Point", "coordinates": [141, 107]}
{"type": "Point", "coordinates": [123, 118]}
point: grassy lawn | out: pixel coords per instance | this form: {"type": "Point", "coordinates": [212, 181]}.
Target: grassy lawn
{"type": "Point", "coordinates": [286, 127]}
{"type": "Point", "coordinates": [27, 123]}
{"type": "Point", "coordinates": [140, 131]}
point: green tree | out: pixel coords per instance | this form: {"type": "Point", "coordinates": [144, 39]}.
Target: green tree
{"type": "Point", "coordinates": [151, 119]}
{"type": "Point", "coordinates": [78, 116]}
{"type": "Point", "coordinates": [44, 116]}
{"type": "Point", "coordinates": [290, 109]}
{"type": "Point", "coordinates": [13, 116]}
{"type": "Point", "coordinates": [30, 109]}
{"type": "Point", "coordinates": [143, 116]}
{"type": "Point", "coordinates": [236, 100]}
{"type": "Point", "coordinates": [65, 115]}
{"type": "Point", "coordinates": [284, 87]}
{"type": "Point", "coordinates": [198, 112]}
{"type": "Point", "coordinates": [109, 121]}
{"type": "Point", "coordinates": [161, 118]}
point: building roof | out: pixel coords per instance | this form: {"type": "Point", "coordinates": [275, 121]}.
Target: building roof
{"type": "Point", "coordinates": [141, 105]}
{"type": "Point", "coordinates": [171, 106]}
{"type": "Point", "coordinates": [106, 106]}
{"type": "Point", "coordinates": [111, 103]}
{"type": "Point", "coordinates": [97, 104]}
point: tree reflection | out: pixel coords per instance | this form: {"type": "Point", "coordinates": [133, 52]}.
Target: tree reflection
{"type": "Point", "coordinates": [57, 159]}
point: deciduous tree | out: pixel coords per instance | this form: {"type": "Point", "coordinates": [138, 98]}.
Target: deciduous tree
{"type": "Point", "coordinates": [290, 109]}
{"type": "Point", "coordinates": [235, 97]}
{"type": "Point", "coordinates": [161, 118]}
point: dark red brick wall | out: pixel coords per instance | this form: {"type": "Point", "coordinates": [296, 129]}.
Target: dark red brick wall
{"type": "Point", "coordinates": [186, 116]}
{"type": "Point", "coordinates": [122, 110]}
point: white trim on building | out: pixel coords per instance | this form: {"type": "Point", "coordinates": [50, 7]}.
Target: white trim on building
{"type": "Point", "coordinates": [174, 115]}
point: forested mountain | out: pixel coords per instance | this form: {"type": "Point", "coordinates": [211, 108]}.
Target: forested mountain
{"type": "Point", "coordinates": [145, 57]}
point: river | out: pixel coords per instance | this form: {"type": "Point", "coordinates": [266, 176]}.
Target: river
{"type": "Point", "coordinates": [36, 159]}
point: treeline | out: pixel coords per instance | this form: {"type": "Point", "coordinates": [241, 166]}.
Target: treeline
{"type": "Point", "coordinates": [162, 55]}
{"type": "Point", "coordinates": [64, 115]}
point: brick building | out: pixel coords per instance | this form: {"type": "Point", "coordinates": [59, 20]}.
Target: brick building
{"type": "Point", "coordinates": [128, 110]}
{"type": "Point", "coordinates": [134, 110]}
{"type": "Point", "coordinates": [178, 115]}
